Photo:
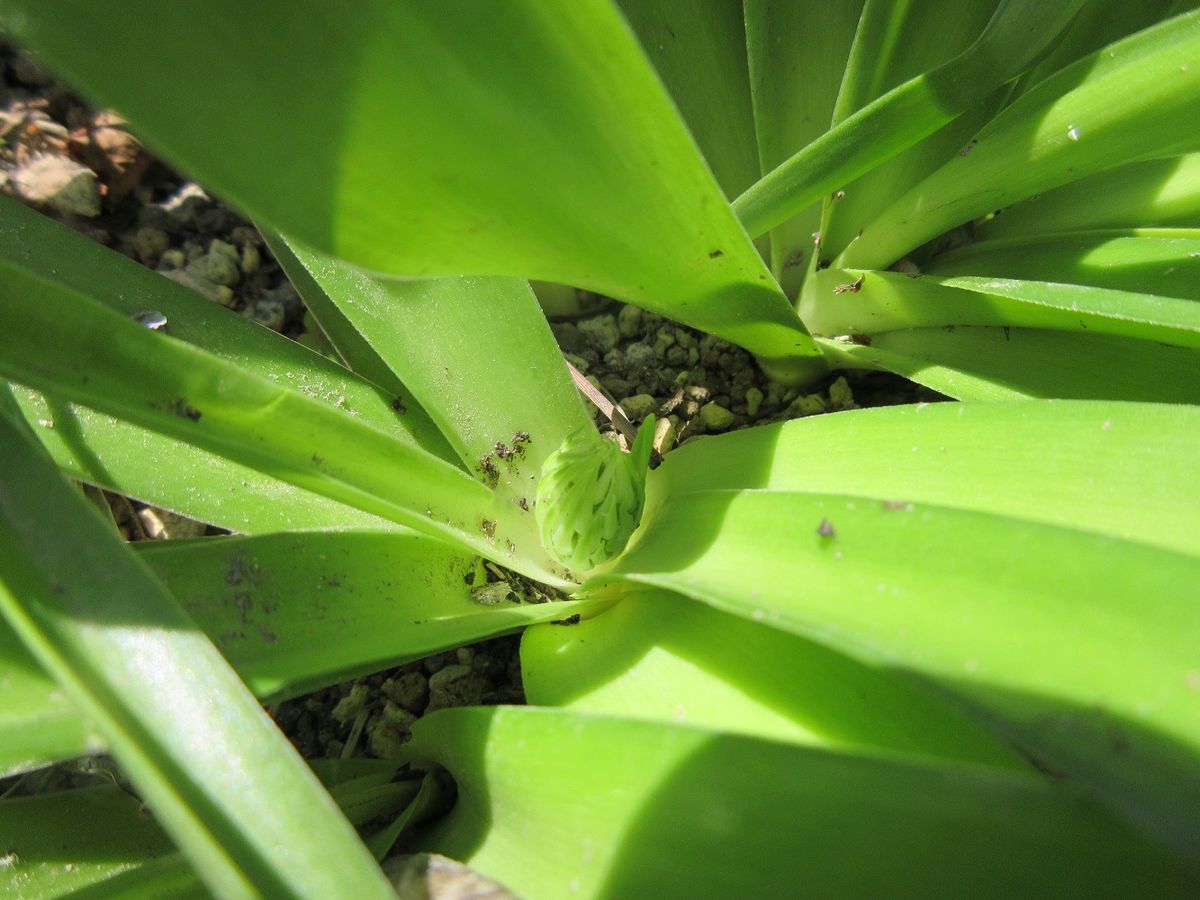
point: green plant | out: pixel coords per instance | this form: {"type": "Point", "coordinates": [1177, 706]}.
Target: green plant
{"type": "Point", "coordinates": [954, 644]}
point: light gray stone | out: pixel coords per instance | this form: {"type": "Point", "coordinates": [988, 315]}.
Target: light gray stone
{"type": "Point", "coordinates": [59, 183]}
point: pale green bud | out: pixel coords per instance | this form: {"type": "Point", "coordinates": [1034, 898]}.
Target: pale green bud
{"type": "Point", "coordinates": [590, 497]}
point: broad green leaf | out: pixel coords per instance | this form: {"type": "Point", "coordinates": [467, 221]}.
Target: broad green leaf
{"type": "Point", "coordinates": [171, 474]}
{"type": "Point", "coordinates": [294, 612]}
{"type": "Point", "coordinates": [350, 347]}
{"type": "Point", "coordinates": [1135, 99]}
{"type": "Point", "coordinates": [1098, 23]}
{"type": "Point", "coordinates": [894, 43]}
{"type": "Point", "coordinates": [898, 41]}
{"type": "Point", "coordinates": [1018, 363]}
{"type": "Point", "coordinates": [31, 245]}
{"type": "Point", "coordinates": [1160, 262]}
{"type": "Point", "coordinates": [436, 794]}
{"type": "Point", "coordinates": [1151, 192]}
{"type": "Point", "coordinates": [646, 809]}
{"type": "Point", "coordinates": [1119, 469]}
{"type": "Point", "coordinates": [419, 142]}
{"type": "Point", "coordinates": [475, 352]}
{"type": "Point", "coordinates": [791, 43]}
{"type": "Point", "coordinates": [655, 655]}
{"type": "Point", "coordinates": [108, 832]}
{"type": "Point", "coordinates": [154, 380]}
{"type": "Point", "coordinates": [291, 613]}
{"type": "Point", "coordinates": [1078, 647]}
{"type": "Point", "coordinates": [38, 724]}
{"type": "Point", "coordinates": [166, 876]}
{"type": "Point", "coordinates": [878, 302]}
{"type": "Point", "coordinates": [698, 49]}
{"type": "Point", "coordinates": [1015, 36]}
{"type": "Point", "coordinates": [223, 782]}
{"type": "Point", "coordinates": [117, 850]}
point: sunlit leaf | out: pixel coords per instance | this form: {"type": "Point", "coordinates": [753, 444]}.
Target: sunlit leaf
{"type": "Point", "coordinates": [224, 783]}
{"type": "Point", "coordinates": [642, 809]}
{"type": "Point", "coordinates": [38, 724]}
{"type": "Point", "coordinates": [1079, 647]}
{"type": "Point", "coordinates": [1118, 469]}
{"type": "Point", "coordinates": [1159, 262]}
{"type": "Point", "coordinates": [293, 612]}
{"type": "Point", "coordinates": [1135, 99]}
{"type": "Point", "coordinates": [1018, 32]}
{"type": "Point", "coordinates": [414, 140]}
{"type": "Point", "coordinates": [783, 53]}
{"type": "Point", "coordinates": [476, 352]}
{"type": "Point", "coordinates": [655, 655]}
{"type": "Point", "coordinates": [1151, 192]}
{"type": "Point", "coordinates": [1005, 363]}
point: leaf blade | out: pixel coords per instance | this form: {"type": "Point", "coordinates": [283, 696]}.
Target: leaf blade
{"type": "Point", "coordinates": [127, 654]}
{"type": "Point", "coordinates": [624, 203]}
{"type": "Point", "coordinates": [1132, 100]}
{"type": "Point", "coordinates": [691, 813]}
{"type": "Point", "coordinates": [974, 605]}
{"type": "Point", "coordinates": [1119, 469]}
{"type": "Point", "coordinates": [1014, 37]}
{"type": "Point", "coordinates": [657, 656]}
{"type": "Point", "coordinates": [476, 352]}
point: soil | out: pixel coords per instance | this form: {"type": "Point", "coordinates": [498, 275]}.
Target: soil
{"type": "Point", "coordinates": [82, 167]}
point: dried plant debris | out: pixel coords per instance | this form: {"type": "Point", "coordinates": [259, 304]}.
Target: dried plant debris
{"type": "Point", "coordinates": [492, 584]}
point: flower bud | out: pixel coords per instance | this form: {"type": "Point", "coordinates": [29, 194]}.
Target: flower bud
{"type": "Point", "coordinates": [590, 497]}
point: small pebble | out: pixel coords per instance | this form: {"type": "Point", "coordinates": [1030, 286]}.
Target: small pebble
{"type": "Point", "coordinates": [409, 690]}
{"type": "Point", "coordinates": [59, 183]}
{"type": "Point", "coordinates": [629, 321]}
{"type": "Point", "coordinates": [386, 741]}
{"type": "Point", "coordinates": [638, 407]}
{"type": "Point", "coordinates": [185, 204]}
{"type": "Point", "coordinates": [150, 244]}
{"type": "Point", "coordinates": [220, 264]}
{"type": "Point", "coordinates": [244, 235]}
{"type": "Point", "coordinates": [217, 293]}
{"type": "Point", "coordinates": [617, 387]}
{"type": "Point", "coordinates": [173, 258]}
{"type": "Point", "coordinates": [251, 259]}
{"type": "Point", "coordinates": [397, 715]}
{"type": "Point", "coordinates": [268, 312]}
{"type": "Point", "coordinates": [568, 336]}
{"type": "Point", "coordinates": [807, 405]}
{"type": "Point", "coordinates": [664, 339]}
{"type": "Point", "coordinates": [352, 704]}
{"type": "Point", "coordinates": [442, 677]}
{"type": "Point", "coordinates": [715, 417]}
{"type": "Point", "coordinates": [840, 395]}
{"type": "Point", "coordinates": [577, 361]}
{"type": "Point", "coordinates": [600, 332]}
{"type": "Point", "coordinates": [664, 435]}
{"type": "Point", "coordinates": [754, 399]}
{"type": "Point", "coordinates": [639, 358]}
